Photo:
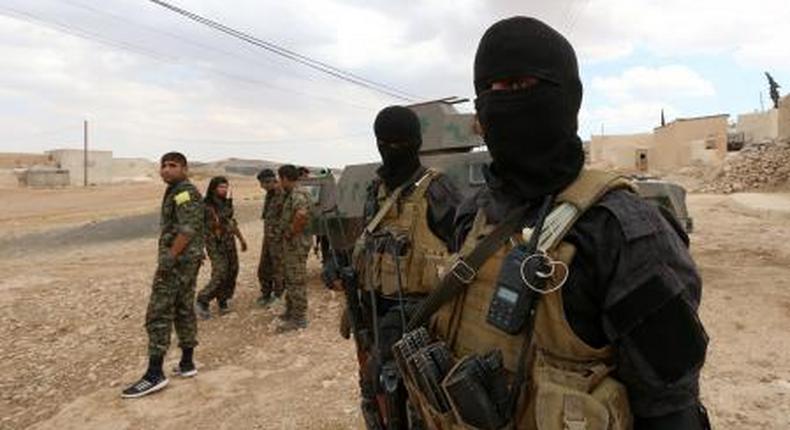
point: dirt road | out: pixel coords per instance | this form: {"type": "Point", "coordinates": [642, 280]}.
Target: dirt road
{"type": "Point", "coordinates": [71, 334]}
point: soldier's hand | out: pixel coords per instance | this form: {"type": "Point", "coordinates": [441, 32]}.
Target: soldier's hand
{"type": "Point", "coordinates": [337, 285]}
{"type": "Point", "coordinates": [243, 246]}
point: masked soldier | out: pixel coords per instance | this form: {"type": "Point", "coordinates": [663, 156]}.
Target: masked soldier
{"type": "Point", "coordinates": [270, 265]}
{"type": "Point", "coordinates": [408, 215]}
{"type": "Point", "coordinates": [173, 293]}
{"type": "Point", "coordinates": [572, 303]}
{"type": "Point", "coordinates": [221, 233]}
{"type": "Point", "coordinates": [295, 245]}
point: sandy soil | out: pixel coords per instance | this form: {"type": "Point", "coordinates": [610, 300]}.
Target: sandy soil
{"type": "Point", "coordinates": [71, 328]}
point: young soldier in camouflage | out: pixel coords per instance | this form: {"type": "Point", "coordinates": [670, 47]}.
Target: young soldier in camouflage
{"type": "Point", "coordinates": [270, 264]}
{"type": "Point", "coordinates": [221, 233]}
{"type": "Point", "coordinates": [180, 256]}
{"type": "Point", "coordinates": [295, 246]}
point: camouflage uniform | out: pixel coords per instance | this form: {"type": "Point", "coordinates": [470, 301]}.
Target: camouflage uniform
{"type": "Point", "coordinates": [173, 291]}
{"type": "Point", "coordinates": [270, 265]}
{"type": "Point", "coordinates": [294, 255]}
{"type": "Point", "coordinates": [221, 248]}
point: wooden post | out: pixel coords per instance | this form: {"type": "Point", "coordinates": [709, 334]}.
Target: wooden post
{"type": "Point", "coordinates": [85, 152]}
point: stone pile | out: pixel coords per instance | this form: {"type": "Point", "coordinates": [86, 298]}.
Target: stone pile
{"type": "Point", "coordinates": [757, 166]}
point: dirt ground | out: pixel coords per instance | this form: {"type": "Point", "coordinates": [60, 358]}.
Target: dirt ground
{"type": "Point", "coordinates": [72, 336]}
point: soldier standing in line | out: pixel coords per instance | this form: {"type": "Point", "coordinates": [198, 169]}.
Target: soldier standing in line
{"type": "Point", "coordinates": [270, 264]}
{"type": "Point", "coordinates": [180, 254]}
{"type": "Point", "coordinates": [295, 247]}
{"type": "Point", "coordinates": [222, 230]}
{"type": "Point", "coordinates": [409, 212]}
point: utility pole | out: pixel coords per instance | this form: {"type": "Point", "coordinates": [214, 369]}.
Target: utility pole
{"type": "Point", "coordinates": [85, 152]}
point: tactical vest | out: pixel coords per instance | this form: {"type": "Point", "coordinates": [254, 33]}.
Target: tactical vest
{"type": "Point", "coordinates": [402, 240]}
{"type": "Point", "coordinates": [569, 384]}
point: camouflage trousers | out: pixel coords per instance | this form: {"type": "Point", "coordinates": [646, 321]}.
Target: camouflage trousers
{"type": "Point", "coordinates": [171, 304]}
{"type": "Point", "coordinates": [270, 269]}
{"type": "Point", "coordinates": [224, 270]}
{"type": "Point", "coordinates": [294, 259]}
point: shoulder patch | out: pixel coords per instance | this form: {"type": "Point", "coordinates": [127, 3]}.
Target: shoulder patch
{"type": "Point", "coordinates": [182, 197]}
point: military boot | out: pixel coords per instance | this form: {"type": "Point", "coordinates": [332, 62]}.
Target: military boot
{"type": "Point", "coordinates": [292, 324]}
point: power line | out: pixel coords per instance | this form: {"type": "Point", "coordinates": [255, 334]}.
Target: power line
{"type": "Point", "coordinates": [218, 50]}
{"type": "Point", "coordinates": [83, 34]}
{"type": "Point", "coordinates": [292, 55]}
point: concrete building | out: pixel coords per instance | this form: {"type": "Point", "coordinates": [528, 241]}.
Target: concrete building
{"type": "Point", "coordinates": [783, 119]}
{"type": "Point", "coordinates": [100, 164]}
{"type": "Point", "coordinates": [43, 177]}
{"type": "Point", "coordinates": [680, 143]}
{"type": "Point", "coordinates": [621, 150]}
{"type": "Point", "coordinates": [758, 126]}
{"type": "Point", "coordinates": [686, 141]}
{"type": "Point", "coordinates": [764, 126]}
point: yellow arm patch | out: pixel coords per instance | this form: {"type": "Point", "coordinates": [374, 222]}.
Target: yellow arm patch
{"type": "Point", "coordinates": [182, 197]}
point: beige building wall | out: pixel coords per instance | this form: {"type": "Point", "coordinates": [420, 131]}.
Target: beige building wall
{"type": "Point", "coordinates": [675, 145]}
{"type": "Point", "coordinates": [783, 119]}
{"type": "Point", "coordinates": [620, 151]}
{"type": "Point", "coordinates": [99, 165]}
{"type": "Point", "coordinates": [758, 126]}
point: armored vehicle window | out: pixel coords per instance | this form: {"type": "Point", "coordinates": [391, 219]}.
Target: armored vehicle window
{"type": "Point", "coordinates": [476, 176]}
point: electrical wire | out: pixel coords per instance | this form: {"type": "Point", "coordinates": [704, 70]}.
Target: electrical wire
{"type": "Point", "coordinates": [95, 37]}
{"type": "Point", "coordinates": [224, 52]}
{"type": "Point", "coordinates": [287, 53]}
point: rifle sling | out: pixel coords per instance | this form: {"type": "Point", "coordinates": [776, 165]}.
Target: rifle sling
{"type": "Point", "coordinates": [418, 176]}
{"type": "Point", "coordinates": [465, 269]}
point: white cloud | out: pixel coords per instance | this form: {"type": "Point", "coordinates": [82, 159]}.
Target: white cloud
{"type": "Point", "coordinates": [634, 99]}
{"type": "Point", "coordinates": [646, 83]}
{"type": "Point", "coordinates": [627, 117]}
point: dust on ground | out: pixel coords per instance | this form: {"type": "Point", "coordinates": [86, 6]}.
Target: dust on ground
{"type": "Point", "coordinates": [72, 336]}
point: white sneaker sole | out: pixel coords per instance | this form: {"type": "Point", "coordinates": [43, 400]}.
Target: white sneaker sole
{"type": "Point", "coordinates": [155, 388]}
{"type": "Point", "coordinates": [189, 374]}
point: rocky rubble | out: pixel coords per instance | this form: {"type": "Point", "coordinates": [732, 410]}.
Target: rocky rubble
{"type": "Point", "coordinates": [757, 166]}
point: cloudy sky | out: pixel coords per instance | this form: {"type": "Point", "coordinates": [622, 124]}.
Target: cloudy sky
{"type": "Point", "coordinates": [149, 80]}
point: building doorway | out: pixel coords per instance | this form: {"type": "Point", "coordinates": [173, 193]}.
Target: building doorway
{"type": "Point", "coordinates": [641, 160]}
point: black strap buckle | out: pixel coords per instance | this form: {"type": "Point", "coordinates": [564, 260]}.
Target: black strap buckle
{"type": "Point", "coordinates": [466, 274]}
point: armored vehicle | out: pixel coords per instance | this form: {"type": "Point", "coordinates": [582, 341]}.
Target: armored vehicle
{"type": "Point", "coordinates": [451, 144]}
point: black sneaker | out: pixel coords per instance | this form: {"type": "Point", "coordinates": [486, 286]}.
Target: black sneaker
{"type": "Point", "coordinates": [146, 385]}
{"type": "Point", "coordinates": [185, 370]}
{"type": "Point", "coordinates": [223, 307]}
{"type": "Point", "coordinates": [202, 310]}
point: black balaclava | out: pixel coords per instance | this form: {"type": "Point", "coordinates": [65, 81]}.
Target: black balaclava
{"type": "Point", "coordinates": [530, 133]}
{"type": "Point", "coordinates": [397, 130]}
{"type": "Point", "coordinates": [211, 197]}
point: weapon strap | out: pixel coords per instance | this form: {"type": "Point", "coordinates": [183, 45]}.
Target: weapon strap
{"type": "Point", "coordinates": [464, 271]}
{"type": "Point", "coordinates": [387, 205]}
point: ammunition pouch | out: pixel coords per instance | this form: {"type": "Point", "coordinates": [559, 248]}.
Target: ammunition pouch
{"type": "Point", "coordinates": [472, 393]}
{"type": "Point", "coordinates": [477, 390]}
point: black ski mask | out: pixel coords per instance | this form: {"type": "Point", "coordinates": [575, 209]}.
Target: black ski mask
{"type": "Point", "coordinates": [397, 130]}
{"type": "Point", "coordinates": [531, 132]}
